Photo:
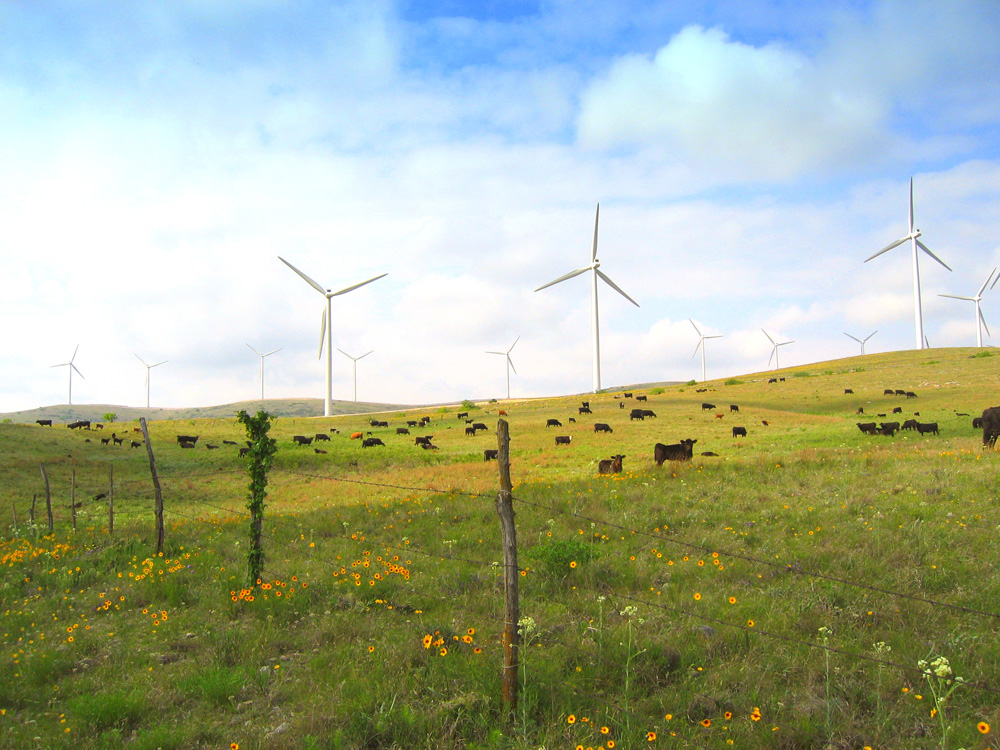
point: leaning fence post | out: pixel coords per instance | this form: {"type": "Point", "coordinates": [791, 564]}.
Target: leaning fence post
{"type": "Point", "coordinates": [48, 496]}
{"type": "Point", "coordinates": [156, 486]}
{"type": "Point", "coordinates": [72, 498]}
{"type": "Point", "coordinates": [508, 535]}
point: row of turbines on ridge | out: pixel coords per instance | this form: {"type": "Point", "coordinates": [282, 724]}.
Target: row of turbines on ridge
{"type": "Point", "coordinates": [326, 328]}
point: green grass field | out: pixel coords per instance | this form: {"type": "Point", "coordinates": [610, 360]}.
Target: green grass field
{"type": "Point", "coordinates": [777, 595]}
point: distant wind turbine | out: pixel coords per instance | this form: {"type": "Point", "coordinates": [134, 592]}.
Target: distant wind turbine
{"type": "Point", "coordinates": [268, 354]}
{"type": "Point", "coordinates": [326, 328]}
{"type": "Point", "coordinates": [861, 341]}
{"type": "Point", "coordinates": [510, 364]}
{"type": "Point", "coordinates": [355, 360]}
{"type": "Point", "coordinates": [980, 320]}
{"type": "Point", "coordinates": [701, 345]}
{"type": "Point", "coordinates": [595, 267]}
{"type": "Point", "coordinates": [913, 236]}
{"type": "Point", "coordinates": [71, 367]}
{"type": "Point", "coordinates": [148, 368]}
{"type": "Point", "coordinates": [774, 351]}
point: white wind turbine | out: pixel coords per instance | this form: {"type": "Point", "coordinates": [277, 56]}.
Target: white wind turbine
{"type": "Point", "coordinates": [774, 351]}
{"type": "Point", "coordinates": [913, 236]}
{"type": "Point", "coordinates": [980, 320]}
{"type": "Point", "coordinates": [861, 341]}
{"type": "Point", "coordinates": [71, 367]}
{"type": "Point", "coordinates": [701, 345]}
{"type": "Point", "coordinates": [355, 360]}
{"type": "Point", "coordinates": [510, 364]}
{"type": "Point", "coordinates": [148, 368]}
{"type": "Point", "coordinates": [595, 267]}
{"type": "Point", "coordinates": [268, 354]}
{"type": "Point", "coordinates": [326, 329]}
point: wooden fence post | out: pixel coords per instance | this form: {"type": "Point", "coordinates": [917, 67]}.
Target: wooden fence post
{"type": "Point", "coordinates": [111, 500]}
{"type": "Point", "coordinates": [156, 486]}
{"type": "Point", "coordinates": [72, 498]}
{"type": "Point", "coordinates": [31, 512]}
{"type": "Point", "coordinates": [48, 496]}
{"type": "Point", "coordinates": [508, 535]}
{"type": "Point", "coordinates": [13, 509]}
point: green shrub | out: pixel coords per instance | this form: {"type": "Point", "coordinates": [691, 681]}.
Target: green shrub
{"type": "Point", "coordinates": [691, 382]}
{"type": "Point", "coordinates": [557, 556]}
{"type": "Point", "coordinates": [733, 381]}
{"type": "Point", "coordinates": [657, 391]}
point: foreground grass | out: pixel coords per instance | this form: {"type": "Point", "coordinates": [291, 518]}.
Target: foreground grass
{"type": "Point", "coordinates": [779, 595]}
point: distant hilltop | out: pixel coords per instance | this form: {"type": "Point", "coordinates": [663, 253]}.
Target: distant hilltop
{"type": "Point", "coordinates": [278, 407]}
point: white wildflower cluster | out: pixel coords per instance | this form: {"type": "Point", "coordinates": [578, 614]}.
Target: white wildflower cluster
{"type": "Point", "coordinates": [630, 611]}
{"type": "Point", "coordinates": [526, 626]}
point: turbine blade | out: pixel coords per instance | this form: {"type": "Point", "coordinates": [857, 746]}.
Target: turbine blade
{"type": "Point", "coordinates": [160, 363]}
{"type": "Point", "coordinates": [870, 335]}
{"type": "Point", "coordinates": [511, 363]}
{"type": "Point", "coordinates": [273, 351]}
{"type": "Point", "coordinates": [695, 327]}
{"type": "Point", "coordinates": [322, 334]}
{"type": "Point", "coordinates": [924, 247]}
{"type": "Point", "coordinates": [887, 248]}
{"type": "Point", "coordinates": [74, 353]}
{"type": "Point", "coordinates": [854, 337]}
{"type": "Point", "coordinates": [77, 371]}
{"type": "Point", "coordinates": [502, 354]}
{"type": "Point", "coordinates": [614, 286]}
{"type": "Point", "coordinates": [716, 336]}
{"type": "Point", "coordinates": [569, 275]}
{"type": "Point", "coordinates": [984, 323]}
{"type": "Point", "coordinates": [911, 206]}
{"type": "Point", "coordinates": [309, 281]}
{"type": "Point", "coordinates": [365, 354]}
{"type": "Point", "coordinates": [251, 349]}
{"type": "Point", "coordinates": [342, 352]}
{"type": "Point", "coordinates": [983, 287]}
{"type": "Point", "coordinates": [955, 296]}
{"type": "Point", "coordinates": [593, 251]}
{"type": "Point", "coordinates": [352, 288]}
{"type": "Point", "coordinates": [140, 359]}
{"type": "Point", "coordinates": [773, 352]}
{"type": "Point", "coordinates": [513, 345]}
{"type": "Point", "coordinates": [768, 335]}
{"type": "Point", "coordinates": [701, 341]}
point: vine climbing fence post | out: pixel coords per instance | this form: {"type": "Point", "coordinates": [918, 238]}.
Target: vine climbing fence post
{"type": "Point", "coordinates": [261, 455]}
{"type": "Point", "coordinates": [156, 486]}
{"type": "Point", "coordinates": [511, 609]}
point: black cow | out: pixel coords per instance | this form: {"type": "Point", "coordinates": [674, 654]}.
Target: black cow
{"type": "Point", "coordinates": [991, 426]}
{"type": "Point", "coordinates": [734, 407]}
{"type": "Point", "coordinates": [707, 407]}
{"type": "Point", "coordinates": [116, 440]}
{"type": "Point", "coordinates": [211, 447]}
{"type": "Point", "coordinates": [244, 451]}
{"type": "Point", "coordinates": [648, 413]}
{"type": "Point", "coordinates": [44, 422]}
{"type": "Point", "coordinates": [319, 450]}
{"type": "Point", "coordinates": [612, 465]}
{"type": "Point", "coordinates": [553, 423]}
{"type": "Point", "coordinates": [888, 428]}
{"type": "Point", "coordinates": [772, 380]}
{"type": "Point", "coordinates": [861, 410]}
{"type": "Point", "coordinates": [135, 444]}
{"type": "Point", "coordinates": [897, 410]}
{"type": "Point", "coordinates": [321, 436]}
{"type": "Point", "coordinates": [371, 442]}
{"type": "Point", "coordinates": [924, 428]}
{"type": "Point", "coordinates": [184, 444]}
{"type": "Point", "coordinates": [491, 454]}
{"type": "Point", "coordinates": [82, 423]}
{"type": "Point", "coordinates": [470, 431]}
{"type": "Point", "coordinates": [621, 404]}
{"type": "Point", "coordinates": [869, 428]}
{"type": "Point", "coordinates": [402, 431]}
{"type": "Point", "coordinates": [105, 441]}
{"type": "Point", "coordinates": [585, 410]}
{"type": "Point", "coordinates": [428, 446]}
{"type": "Point", "coordinates": [682, 451]}
{"type": "Point", "coordinates": [888, 392]}
{"type": "Point", "coordinates": [739, 432]}
{"type": "Point", "coordinates": [911, 394]}
{"type": "Point", "coordinates": [899, 392]}
{"type": "Point", "coordinates": [563, 439]}
{"type": "Point", "coordinates": [412, 423]}
{"type": "Point", "coordinates": [601, 427]}
{"type": "Point", "coordinates": [229, 442]}
{"type": "Point", "coordinates": [302, 439]}
{"type": "Point", "coordinates": [977, 423]}
{"type": "Point", "coordinates": [187, 438]}
{"type": "Point", "coordinates": [909, 424]}
{"type": "Point", "coordinates": [848, 390]}
{"type": "Point", "coordinates": [425, 440]}
{"type": "Point", "coordinates": [639, 398]}
{"type": "Point", "coordinates": [460, 415]}
{"type": "Point", "coordinates": [585, 404]}
{"type": "Point", "coordinates": [479, 426]}
{"type": "Point", "coordinates": [636, 414]}
{"type": "Point", "coordinates": [626, 395]}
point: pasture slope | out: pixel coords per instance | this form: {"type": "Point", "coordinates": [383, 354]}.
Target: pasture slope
{"type": "Point", "coordinates": [778, 594]}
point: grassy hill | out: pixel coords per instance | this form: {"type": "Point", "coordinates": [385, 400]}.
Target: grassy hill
{"type": "Point", "coordinates": [778, 594]}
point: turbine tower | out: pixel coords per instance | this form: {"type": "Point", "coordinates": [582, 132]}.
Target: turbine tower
{"type": "Point", "coordinates": [594, 266]}
{"type": "Point", "coordinates": [268, 354]}
{"type": "Point", "coordinates": [774, 351]}
{"type": "Point", "coordinates": [861, 341]}
{"type": "Point", "coordinates": [510, 364]}
{"type": "Point", "coordinates": [71, 367]}
{"type": "Point", "coordinates": [701, 345]}
{"type": "Point", "coordinates": [148, 368]}
{"type": "Point", "coordinates": [355, 360]}
{"type": "Point", "coordinates": [915, 243]}
{"type": "Point", "coordinates": [980, 320]}
{"type": "Point", "coordinates": [326, 328]}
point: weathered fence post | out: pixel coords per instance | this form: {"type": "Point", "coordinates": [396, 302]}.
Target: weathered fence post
{"type": "Point", "coordinates": [72, 497]}
{"type": "Point", "coordinates": [48, 496]}
{"type": "Point", "coordinates": [111, 500]}
{"type": "Point", "coordinates": [31, 512]}
{"type": "Point", "coordinates": [508, 535]}
{"type": "Point", "coordinates": [156, 486]}
{"type": "Point", "coordinates": [13, 509]}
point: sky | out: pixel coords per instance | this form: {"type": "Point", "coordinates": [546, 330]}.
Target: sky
{"type": "Point", "coordinates": [157, 158]}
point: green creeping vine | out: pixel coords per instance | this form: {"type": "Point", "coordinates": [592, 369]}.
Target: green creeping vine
{"type": "Point", "coordinates": [262, 450]}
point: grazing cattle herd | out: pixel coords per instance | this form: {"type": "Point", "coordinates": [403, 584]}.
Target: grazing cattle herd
{"type": "Point", "coordinates": [683, 450]}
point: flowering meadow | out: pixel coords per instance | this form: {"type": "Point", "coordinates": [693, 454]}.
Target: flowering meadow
{"type": "Point", "coordinates": [808, 586]}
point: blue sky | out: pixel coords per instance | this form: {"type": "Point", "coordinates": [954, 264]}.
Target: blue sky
{"type": "Point", "coordinates": [157, 157]}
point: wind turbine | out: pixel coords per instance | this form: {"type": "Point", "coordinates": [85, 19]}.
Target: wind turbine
{"type": "Point", "coordinates": [861, 341]}
{"type": "Point", "coordinates": [510, 364]}
{"type": "Point", "coordinates": [701, 345]}
{"type": "Point", "coordinates": [268, 354]}
{"type": "Point", "coordinates": [774, 351]}
{"type": "Point", "coordinates": [914, 244]}
{"type": "Point", "coordinates": [355, 360]}
{"type": "Point", "coordinates": [71, 367]}
{"type": "Point", "coordinates": [980, 320]}
{"type": "Point", "coordinates": [326, 328]}
{"type": "Point", "coordinates": [595, 267]}
{"type": "Point", "coordinates": [148, 368]}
